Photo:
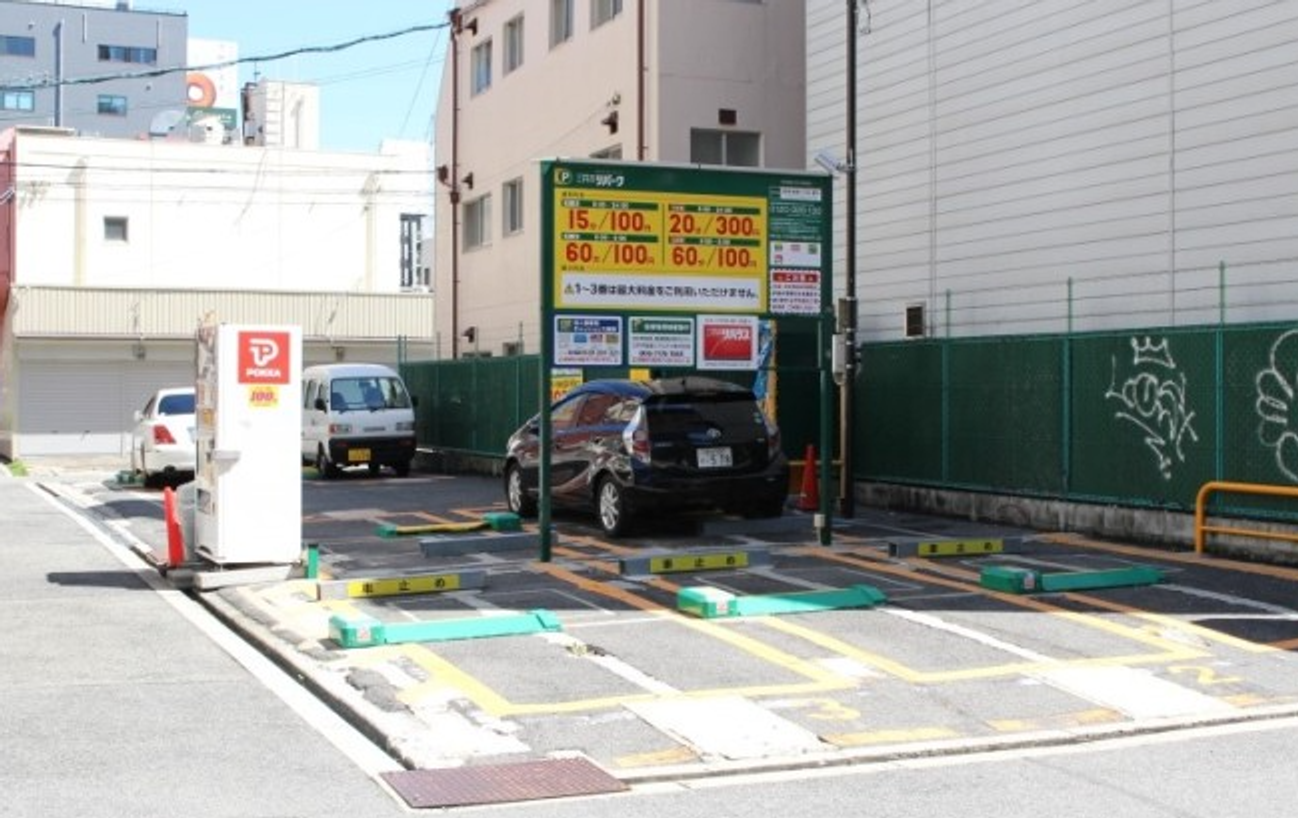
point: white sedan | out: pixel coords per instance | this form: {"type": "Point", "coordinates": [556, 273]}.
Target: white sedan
{"type": "Point", "coordinates": [162, 442]}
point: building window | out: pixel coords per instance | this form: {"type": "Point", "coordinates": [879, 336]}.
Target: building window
{"type": "Point", "coordinates": [477, 222]}
{"type": "Point", "coordinates": [11, 100]}
{"type": "Point", "coordinates": [601, 11]}
{"type": "Point", "coordinates": [413, 273]}
{"type": "Point", "coordinates": [112, 105]}
{"type": "Point", "coordinates": [128, 53]}
{"type": "Point", "coordinates": [513, 48]}
{"type": "Point", "coordinates": [513, 196]}
{"type": "Point", "coordinates": [560, 22]}
{"type": "Point", "coordinates": [115, 228]}
{"type": "Point", "coordinates": [733, 148]}
{"type": "Point", "coordinates": [613, 152]}
{"type": "Point", "coordinates": [17, 46]}
{"type": "Point", "coordinates": [481, 67]}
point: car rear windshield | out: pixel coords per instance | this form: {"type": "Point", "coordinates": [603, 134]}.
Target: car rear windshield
{"type": "Point", "coordinates": [677, 415]}
{"type": "Point", "coordinates": [368, 393]}
{"type": "Point", "coordinates": [176, 405]}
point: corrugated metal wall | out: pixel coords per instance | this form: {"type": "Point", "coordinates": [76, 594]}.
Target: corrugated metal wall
{"type": "Point", "coordinates": [1053, 165]}
{"type": "Point", "coordinates": [78, 312]}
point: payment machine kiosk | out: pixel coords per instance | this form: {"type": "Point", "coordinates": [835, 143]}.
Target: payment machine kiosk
{"type": "Point", "coordinates": [248, 476]}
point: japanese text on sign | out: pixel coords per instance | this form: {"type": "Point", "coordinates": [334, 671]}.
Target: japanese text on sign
{"type": "Point", "coordinates": [655, 250]}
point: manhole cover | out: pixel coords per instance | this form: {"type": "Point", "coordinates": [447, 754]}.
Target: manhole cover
{"type": "Point", "coordinates": [502, 783]}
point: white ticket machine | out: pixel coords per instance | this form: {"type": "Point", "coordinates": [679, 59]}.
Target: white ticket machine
{"type": "Point", "coordinates": [248, 478]}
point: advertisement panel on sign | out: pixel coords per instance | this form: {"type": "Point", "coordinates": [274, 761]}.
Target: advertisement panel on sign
{"type": "Point", "coordinates": [727, 342]}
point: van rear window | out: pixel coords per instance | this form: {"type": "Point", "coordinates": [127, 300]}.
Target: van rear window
{"type": "Point", "coordinates": [368, 393]}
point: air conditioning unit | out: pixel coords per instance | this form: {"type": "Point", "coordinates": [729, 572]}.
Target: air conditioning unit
{"type": "Point", "coordinates": [914, 325]}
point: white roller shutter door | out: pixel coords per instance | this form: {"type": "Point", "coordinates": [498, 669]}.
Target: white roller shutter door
{"type": "Point", "coordinates": [82, 407]}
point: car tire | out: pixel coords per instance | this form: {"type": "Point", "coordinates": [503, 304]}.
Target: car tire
{"type": "Point", "coordinates": [147, 479]}
{"type": "Point", "coordinates": [611, 507]}
{"type": "Point", "coordinates": [402, 468]}
{"type": "Point", "coordinates": [516, 496]}
{"type": "Point", "coordinates": [327, 469]}
{"type": "Point", "coordinates": [374, 468]}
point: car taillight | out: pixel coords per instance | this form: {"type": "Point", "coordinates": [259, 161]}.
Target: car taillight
{"type": "Point", "coordinates": [162, 435]}
{"type": "Point", "coordinates": [772, 439]}
{"type": "Point", "coordinates": [636, 438]}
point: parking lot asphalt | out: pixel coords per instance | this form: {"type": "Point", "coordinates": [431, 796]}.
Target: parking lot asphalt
{"type": "Point", "coordinates": [702, 646]}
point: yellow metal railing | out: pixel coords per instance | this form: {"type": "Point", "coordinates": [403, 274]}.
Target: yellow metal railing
{"type": "Point", "coordinates": [1201, 528]}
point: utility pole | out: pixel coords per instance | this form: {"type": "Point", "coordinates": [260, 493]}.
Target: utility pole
{"type": "Point", "coordinates": [847, 306]}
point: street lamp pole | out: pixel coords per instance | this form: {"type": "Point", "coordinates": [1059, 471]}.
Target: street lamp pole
{"type": "Point", "coordinates": [847, 307]}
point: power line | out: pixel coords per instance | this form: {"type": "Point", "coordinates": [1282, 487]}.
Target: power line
{"type": "Point", "coordinates": [315, 49]}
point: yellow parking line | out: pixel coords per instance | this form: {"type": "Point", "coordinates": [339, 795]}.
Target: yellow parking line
{"type": "Point", "coordinates": [909, 674]}
{"type": "Point", "coordinates": [675, 755]}
{"type": "Point", "coordinates": [1063, 721]}
{"type": "Point", "coordinates": [1219, 563]}
{"type": "Point", "coordinates": [878, 565]}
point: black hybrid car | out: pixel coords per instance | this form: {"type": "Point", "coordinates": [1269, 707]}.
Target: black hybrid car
{"type": "Point", "coordinates": [624, 448]}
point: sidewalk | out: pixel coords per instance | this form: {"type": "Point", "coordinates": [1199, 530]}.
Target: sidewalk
{"type": "Point", "coordinates": [119, 698]}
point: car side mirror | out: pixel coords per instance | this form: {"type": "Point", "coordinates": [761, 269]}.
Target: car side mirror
{"type": "Point", "coordinates": [414, 400]}
{"type": "Point", "coordinates": [320, 405]}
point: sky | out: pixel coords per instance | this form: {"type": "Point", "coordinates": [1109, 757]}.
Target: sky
{"type": "Point", "coordinates": [368, 92]}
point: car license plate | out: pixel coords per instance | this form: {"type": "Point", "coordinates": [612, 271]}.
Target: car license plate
{"type": "Point", "coordinates": [717, 457]}
{"type": "Point", "coordinates": [358, 456]}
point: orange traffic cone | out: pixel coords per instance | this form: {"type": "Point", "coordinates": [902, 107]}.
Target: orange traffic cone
{"type": "Point", "coordinates": [810, 499]}
{"type": "Point", "coordinates": [175, 537]}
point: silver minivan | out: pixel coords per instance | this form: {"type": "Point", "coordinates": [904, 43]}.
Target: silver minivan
{"type": "Point", "coordinates": [356, 415]}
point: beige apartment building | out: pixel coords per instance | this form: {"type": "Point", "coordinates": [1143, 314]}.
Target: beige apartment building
{"type": "Point", "coordinates": [113, 250]}
{"type": "Point", "coordinates": [716, 82]}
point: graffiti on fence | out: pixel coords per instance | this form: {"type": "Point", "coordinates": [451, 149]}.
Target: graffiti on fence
{"type": "Point", "coordinates": [1153, 398]}
{"type": "Point", "coordinates": [1276, 385]}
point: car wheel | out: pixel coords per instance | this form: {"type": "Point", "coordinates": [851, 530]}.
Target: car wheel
{"type": "Point", "coordinates": [147, 479]}
{"type": "Point", "coordinates": [520, 502]}
{"type": "Point", "coordinates": [610, 503]}
{"type": "Point", "coordinates": [327, 469]}
{"type": "Point", "coordinates": [374, 468]}
{"type": "Point", "coordinates": [402, 468]}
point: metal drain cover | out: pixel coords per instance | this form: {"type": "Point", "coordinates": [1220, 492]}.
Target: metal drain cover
{"type": "Point", "coordinates": [502, 783]}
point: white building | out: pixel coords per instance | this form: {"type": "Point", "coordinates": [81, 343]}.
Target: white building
{"type": "Point", "coordinates": [112, 251]}
{"type": "Point", "coordinates": [1045, 166]}
{"type": "Point", "coordinates": [684, 81]}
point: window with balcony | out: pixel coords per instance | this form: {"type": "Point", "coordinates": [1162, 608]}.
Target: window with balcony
{"type": "Point", "coordinates": [512, 58]}
{"type": "Point", "coordinates": [561, 22]}
{"type": "Point", "coordinates": [413, 273]}
{"type": "Point", "coordinates": [513, 206]}
{"type": "Point", "coordinates": [735, 148]}
{"type": "Point", "coordinates": [601, 11]}
{"type": "Point", "coordinates": [481, 67]}
{"type": "Point", "coordinates": [477, 222]}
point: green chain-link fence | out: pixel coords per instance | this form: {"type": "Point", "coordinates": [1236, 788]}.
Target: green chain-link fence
{"type": "Point", "coordinates": [1141, 417]}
